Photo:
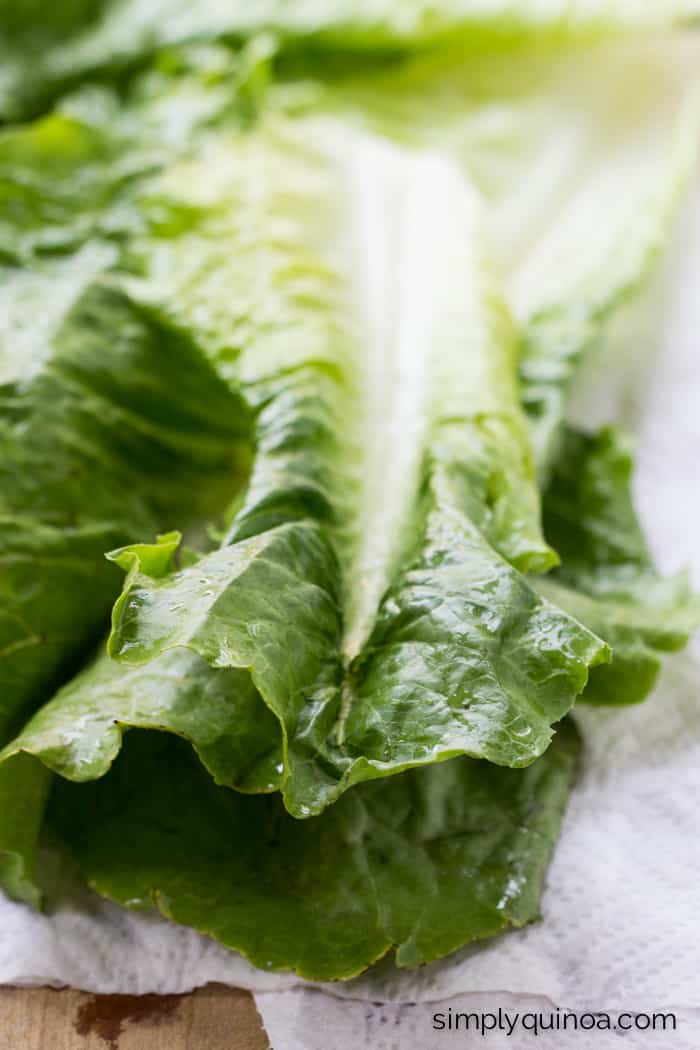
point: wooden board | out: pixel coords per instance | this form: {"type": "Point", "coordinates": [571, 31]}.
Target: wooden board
{"type": "Point", "coordinates": [212, 1018]}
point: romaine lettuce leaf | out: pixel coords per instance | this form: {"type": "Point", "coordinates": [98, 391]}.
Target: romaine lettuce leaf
{"type": "Point", "coordinates": [368, 594]}
{"type": "Point", "coordinates": [59, 180]}
{"type": "Point", "coordinates": [582, 176]}
{"type": "Point", "coordinates": [93, 435]}
{"type": "Point", "coordinates": [361, 583]}
{"type": "Point", "coordinates": [373, 607]}
{"type": "Point", "coordinates": [73, 176]}
{"type": "Point", "coordinates": [24, 789]}
{"type": "Point", "coordinates": [423, 863]}
{"type": "Point", "coordinates": [98, 443]}
{"type": "Point", "coordinates": [103, 40]}
{"type": "Point", "coordinates": [607, 579]}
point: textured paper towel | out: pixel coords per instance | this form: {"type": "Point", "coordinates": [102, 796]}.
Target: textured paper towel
{"type": "Point", "coordinates": [622, 906]}
{"type": "Point", "coordinates": [308, 1020]}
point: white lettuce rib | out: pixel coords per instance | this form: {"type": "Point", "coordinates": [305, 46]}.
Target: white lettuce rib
{"type": "Point", "coordinates": [431, 335]}
{"type": "Point", "coordinates": [328, 247]}
{"type": "Point", "coordinates": [393, 273]}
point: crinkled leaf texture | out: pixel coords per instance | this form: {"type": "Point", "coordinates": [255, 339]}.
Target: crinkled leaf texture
{"type": "Point", "coordinates": [381, 636]}
{"type": "Point", "coordinates": [373, 606]}
{"type": "Point", "coordinates": [113, 423]}
{"type": "Point", "coordinates": [366, 612]}
{"type": "Point", "coordinates": [431, 683]}
{"type": "Point", "coordinates": [61, 183]}
{"type": "Point", "coordinates": [98, 443]}
{"type": "Point", "coordinates": [607, 579]}
{"type": "Point", "coordinates": [422, 863]}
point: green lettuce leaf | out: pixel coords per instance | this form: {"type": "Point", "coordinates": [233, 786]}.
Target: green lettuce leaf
{"type": "Point", "coordinates": [98, 443]}
{"type": "Point", "coordinates": [103, 40]}
{"type": "Point", "coordinates": [422, 864]}
{"type": "Point", "coordinates": [607, 578]}
{"type": "Point", "coordinates": [582, 177]}
{"type": "Point", "coordinates": [74, 175]}
{"type": "Point", "coordinates": [367, 601]}
{"type": "Point", "coordinates": [24, 790]}
{"type": "Point", "coordinates": [59, 180]}
{"type": "Point", "coordinates": [326, 297]}
{"type": "Point", "coordinates": [363, 582]}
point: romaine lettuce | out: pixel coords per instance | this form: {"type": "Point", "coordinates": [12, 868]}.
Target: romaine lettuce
{"type": "Point", "coordinates": [111, 39]}
{"type": "Point", "coordinates": [582, 177]}
{"type": "Point", "coordinates": [257, 279]}
{"type": "Point", "coordinates": [607, 579]}
{"type": "Point", "coordinates": [422, 863]}
{"type": "Point", "coordinates": [99, 443]}
{"type": "Point", "coordinates": [364, 583]}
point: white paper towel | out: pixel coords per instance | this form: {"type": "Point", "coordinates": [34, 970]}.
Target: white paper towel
{"type": "Point", "coordinates": [622, 905]}
{"type": "Point", "coordinates": [309, 1020]}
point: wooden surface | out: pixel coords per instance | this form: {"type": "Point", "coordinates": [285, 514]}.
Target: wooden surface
{"type": "Point", "coordinates": [212, 1018]}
